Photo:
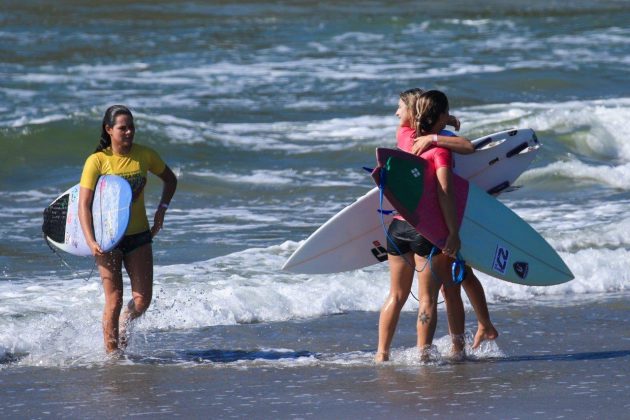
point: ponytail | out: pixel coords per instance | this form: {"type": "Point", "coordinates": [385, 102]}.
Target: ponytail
{"type": "Point", "coordinates": [429, 107]}
{"type": "Point", "coordinates": [109, 119]}
{"type": "Point", "coordinates": [104, 142]}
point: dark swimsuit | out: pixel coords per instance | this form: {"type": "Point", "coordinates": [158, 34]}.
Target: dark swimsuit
{"type": "Point", "coordinates": [130, 243]}
{"type": "Point", "coordinates": [405, 239]}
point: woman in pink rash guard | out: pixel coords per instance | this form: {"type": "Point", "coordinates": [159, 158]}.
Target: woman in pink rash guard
{"type": "Point", "coordinates": [423, 117]}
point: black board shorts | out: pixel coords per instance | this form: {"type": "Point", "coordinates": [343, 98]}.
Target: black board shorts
{"type": "Point", "coordinates": [403, 238]}
{"type": "Point", "coordinates": [130, 243]}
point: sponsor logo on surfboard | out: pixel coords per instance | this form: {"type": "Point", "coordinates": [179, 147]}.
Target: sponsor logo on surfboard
{"type": "Point", "coordinates": [501, 258]}
{"type": "Point", "coordinates": [379, 252]}
{"type": "Point", "coordinates": [521, 268]}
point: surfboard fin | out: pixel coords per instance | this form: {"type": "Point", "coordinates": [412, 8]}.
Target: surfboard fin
{"type": "Point", "coordinates": [518, 149]}
{"type": "Point", "coordinates": [498, 188]}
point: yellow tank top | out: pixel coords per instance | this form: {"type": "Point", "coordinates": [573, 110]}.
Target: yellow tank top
{"type": "Point", "coordinates": [133, 167]}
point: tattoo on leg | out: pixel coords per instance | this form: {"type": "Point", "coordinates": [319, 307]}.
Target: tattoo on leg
{"type": "Point", "coordinates": [424, 318]}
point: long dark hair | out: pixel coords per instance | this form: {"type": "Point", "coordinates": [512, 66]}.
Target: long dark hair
{"type": "Point", "coordinates": [109, 119]}
{"type": "Point", "coordinates": [431, 104]}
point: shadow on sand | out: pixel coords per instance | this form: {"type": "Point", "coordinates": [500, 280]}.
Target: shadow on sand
{"type": "Point", "coordinates": [574, 357]}
{"type": "Point", "coordinates": [229, 356]}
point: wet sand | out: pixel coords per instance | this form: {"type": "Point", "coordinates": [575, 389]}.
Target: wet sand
{"type": "Point", "coordinates": [555, 362]}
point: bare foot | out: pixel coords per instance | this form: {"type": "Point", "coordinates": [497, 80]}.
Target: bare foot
{"type": "Point", "coordinates": [458, 356]}
{"type": "Point", "coordinates": [381, 356]}
{"type": "Point", "coordinates": [458, 349]}
{"type": "Point", "coordinates": [483, 334]}
{"type": "Point", "coordinates": [115, 354]}
{"type": "Point", "coordinates": [427, 353]}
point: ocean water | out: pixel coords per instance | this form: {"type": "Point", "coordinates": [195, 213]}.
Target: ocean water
{"type": "Point", "coordinates": [267, 112]}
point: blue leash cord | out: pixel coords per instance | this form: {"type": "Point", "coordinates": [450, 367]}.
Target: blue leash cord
{"type": "Point", "coordinates": [458, 265]}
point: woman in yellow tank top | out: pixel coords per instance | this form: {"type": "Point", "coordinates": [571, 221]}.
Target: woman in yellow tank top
{"type": "Point", "coordinates": [117, 154]}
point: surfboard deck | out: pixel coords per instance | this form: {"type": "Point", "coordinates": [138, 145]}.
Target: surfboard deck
{"type": "Point", "coordinates": [110, 213]}
{"type": "Point", "coordinates": [494, 239]}
{"type": "Point", "coordinates": [354, 237]}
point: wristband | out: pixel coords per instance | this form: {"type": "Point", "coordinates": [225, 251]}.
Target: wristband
{"type": "Point", "coordinates": [163, 205]}
{"type": "Point", "coordinates": [434, 140]}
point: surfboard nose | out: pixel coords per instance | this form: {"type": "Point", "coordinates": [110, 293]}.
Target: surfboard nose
{"type": "Point", "coordinates": [564, 273]}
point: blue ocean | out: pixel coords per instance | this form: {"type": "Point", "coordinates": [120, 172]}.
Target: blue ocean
{"type": "Point", "coordinates": [267, 112]}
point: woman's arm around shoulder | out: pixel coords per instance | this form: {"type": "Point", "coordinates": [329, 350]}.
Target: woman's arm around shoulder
{"type": "Point", "coordinates": [455, 144]}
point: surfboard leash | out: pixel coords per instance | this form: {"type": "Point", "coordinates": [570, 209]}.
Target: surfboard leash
{"type": "Point", "coordinates": [64, 261]}
{"type": "Point", "coordinates": [382, 212]}
{"type": "Point", "coordinates": [458, 269]}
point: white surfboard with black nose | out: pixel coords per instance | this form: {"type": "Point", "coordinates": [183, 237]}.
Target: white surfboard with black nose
{"type": "Point", "coordinates": [110, 215]}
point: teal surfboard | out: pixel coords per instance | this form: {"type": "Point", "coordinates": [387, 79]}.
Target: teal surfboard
{"type": "Point", "coordinates": [495, 240]}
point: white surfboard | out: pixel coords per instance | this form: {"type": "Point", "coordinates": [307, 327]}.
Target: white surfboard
{"type": "Point", "coordinates": [494, 239]}
{"type": "Point", "coordinates": [110, 213]}
{"type": "Point", "coordinates": [354, 237]}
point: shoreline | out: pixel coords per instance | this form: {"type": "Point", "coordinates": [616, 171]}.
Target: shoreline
{"type": "Point", "coordinates": [567, 361]}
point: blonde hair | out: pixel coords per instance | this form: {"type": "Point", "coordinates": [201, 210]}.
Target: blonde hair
{"type": "Point", "coordinates": [410, 97]}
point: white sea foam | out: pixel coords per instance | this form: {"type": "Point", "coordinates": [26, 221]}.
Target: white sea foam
{"type": "Point", "coordinates": [312, 178]}
{"type": "Point", "coordinates": [569, 227]}
{"type": "Point", "coordinates": [282, 296]}
{"type": "Point", "coordinates": [227, 78]}
{"type": "Point", "coordinates": [589, 126]}
{"type": "Point", "coordinates": [359, 55]}
{"type": "Point", "coordinates": [247, 287]}
{"type": "Point", "coordinates": [361, 37]}
{"type": "Point", "coordinates": [472, 22]}
{"type": "Point", "coordinates": [319, 47]}
{"type": "Point", "coordinates": [23, 121]}
{"type": "Point", "coordinates": [609, 36]}
{"type": "Point", "coordinates": [309, 105]}
{"type": "Point", "coordinates": [24, 196]}
{"type": "Point", "coordinates": [24, 94]}
{"type": "Point", "coordinates": [483, 23]}
{"type": "Point", "coordinates": [579, 172]}
{"type": "Point", "coordinates": [593, 126]}
{"type": "Point", "coordinates": [104, 70]}
{"type": "Point", "coordinates": [597, 152]}
{"type": "Point", "coordinates": [304, 137]}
